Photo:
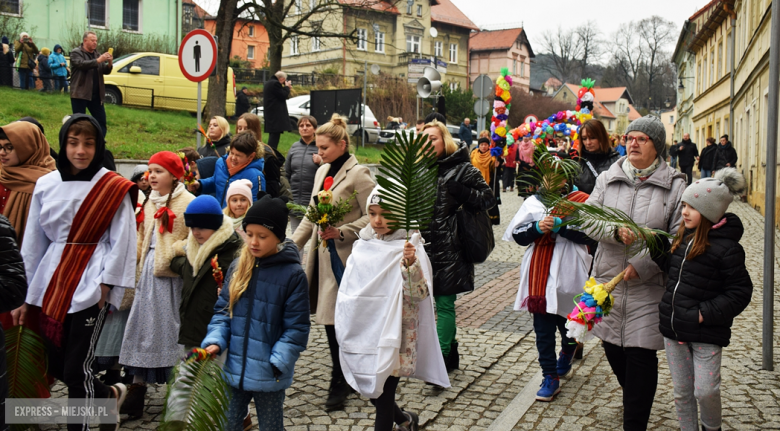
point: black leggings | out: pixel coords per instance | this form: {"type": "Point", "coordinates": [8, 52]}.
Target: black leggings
{"type": "Point", "coordinates": [387, 411]}
{"type": "Point", "coordinates": [636, 370]}
{"type": "Point", "coordinates": [337, 376]}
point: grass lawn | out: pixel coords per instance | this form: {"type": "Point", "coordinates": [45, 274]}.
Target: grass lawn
{"type": "Point", "coordinates": [132, 133]}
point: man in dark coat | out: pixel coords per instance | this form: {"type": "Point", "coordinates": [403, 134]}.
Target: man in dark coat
{"type": "Point", "coordinates": [87, 90]}
{"type": "Point", "coordinates": [465, 132]}
{"type": "Point", "coordinates": [242, 102]}
{"type": "Point", "coordinates": [726, 156]}
{"type": "Point", "coordinates": [687, 155]}
{"type": "Point", "coordinates": [277, 119]}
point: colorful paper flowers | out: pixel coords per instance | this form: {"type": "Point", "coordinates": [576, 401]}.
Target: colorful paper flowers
{"type": "Point", "coordinates": [590, 307]}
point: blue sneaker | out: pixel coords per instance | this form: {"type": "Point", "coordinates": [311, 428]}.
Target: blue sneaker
{"type": "Point", "coordinates": [550, 388]}
{"type": "Point", "coordinates": [564, 363]}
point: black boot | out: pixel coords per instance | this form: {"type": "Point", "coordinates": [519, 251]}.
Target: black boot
{"type": "Point", "coordinates": [134, 402]}
{"type": "Point", "coordinates": [452, 361]}
{"type": "Point", "coordinates": [337, 395]}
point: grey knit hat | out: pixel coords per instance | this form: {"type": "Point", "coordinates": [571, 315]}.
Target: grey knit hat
{"type": "Point", "coordinates": [138, 170]}
{"type": "Point", "coordinates": [654, 128]}
{"type": "Point", "coordinates": [712, 196]}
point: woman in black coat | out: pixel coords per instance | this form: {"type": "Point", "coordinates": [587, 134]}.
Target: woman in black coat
{"type": "Point", "coordinates": [13, 290]}
{"type": "Point", "coordinates": [596, 155]}
{"type": "Point", "coordinates": [276, 118]}
{"type": "Point", "coordinates": [452, 273]}
{"type": "Point", "coordinates": [707, 158]}
{"type": "Point", "coordinates": [6, 64]}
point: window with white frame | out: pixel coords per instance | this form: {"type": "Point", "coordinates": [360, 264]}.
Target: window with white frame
{"type": "Point", "coordinates": [514, 67]}
{"type": "Point", "coordinates": [413, 43]}
{"type": "Point", "coordinates": [671, 119]}
{"type": "Point", "coordinates": [131, 15]}
{"type": "Point", "coordinates": [97, 12]}
{"type": "Point", "coordinates": [379, 42]}
{"type": "Point", "coordinates": [453, 53]}
{"type": "Point", "coordinates": [438, 49]}
{"type": "Point", "coordinates": [251, 30]}
{"type": "Point", "coordinates": [362, 43]}
{"type": "Point", "coordinates": [720, 59]}
{"type": "Point", "coordinates": [11, 7]}
{"type": "Point", "coordinates": [315, 44]}
{"type": "Point", "coordinates": [419, 10]}
{"type": "Point", "coordinates": [294, 45]}
{"type": "Point", "coordinates": [453, 85]}
{"type": "Point", "coordinates": [409, 8]}
{"type": "Point", "coordinates": [250, 52]}
{"type": "Point", "coordinates": [712, 67]}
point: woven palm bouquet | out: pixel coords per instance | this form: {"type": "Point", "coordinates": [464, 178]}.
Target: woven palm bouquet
{"type": "Point", "coordinates": [590, 307]}
{"type": "Point", "coordinates": [324, 212]}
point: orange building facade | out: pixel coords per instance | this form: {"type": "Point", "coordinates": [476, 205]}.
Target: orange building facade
{"type": "Point", "coordinates": [250, 40]}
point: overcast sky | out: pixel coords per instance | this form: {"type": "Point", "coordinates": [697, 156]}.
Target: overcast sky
{"type": "Point", "coordinates": [536, 16]}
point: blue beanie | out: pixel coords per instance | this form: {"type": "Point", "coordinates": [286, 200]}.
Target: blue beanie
{"type": "Point", "coordinates": [204, 212]}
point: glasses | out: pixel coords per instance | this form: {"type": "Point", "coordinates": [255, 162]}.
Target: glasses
{"type": "Point", "coordinates": [641, 140]}
{"type": "Point", "coordinates": [7, 148]}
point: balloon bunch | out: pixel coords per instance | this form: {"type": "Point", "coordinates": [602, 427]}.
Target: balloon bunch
{"type": "Point", "coordinates": [585, 97]}
{"type": "Point", "coordinates": [590, 307]}
{"type": "Point", "coordinates": [501, 105]}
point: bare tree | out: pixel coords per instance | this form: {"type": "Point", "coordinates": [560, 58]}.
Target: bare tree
{"type": "Point", "coordinates": [563, 51]}
{"type": "Point", "coordinates": [590, 45]}
{"type": "Point", "coordinates": [628, 55]}
{"type": "Point", "coordinates": [657, 36]}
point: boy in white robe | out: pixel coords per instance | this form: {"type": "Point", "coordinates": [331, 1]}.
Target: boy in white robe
{"type": "Point", "coordinates": [56, 202]}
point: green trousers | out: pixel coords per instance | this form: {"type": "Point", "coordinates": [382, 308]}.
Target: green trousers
{"type": "Point", "coordinates": [445, 321]}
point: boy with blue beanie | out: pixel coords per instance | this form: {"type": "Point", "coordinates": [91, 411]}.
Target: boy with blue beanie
{"type": "Point", "coordinates": [202, 263]}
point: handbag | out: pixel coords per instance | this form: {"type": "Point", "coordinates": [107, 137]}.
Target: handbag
{"type": "Point", "coordinates": [474, 229]}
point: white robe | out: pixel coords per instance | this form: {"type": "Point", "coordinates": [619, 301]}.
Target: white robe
{"type": "Point", "coordinates": [568, 270]}
{"type": "Point", "coordinates": [368, 317]}
{"type": "Point", "coordinates": [53, 207]}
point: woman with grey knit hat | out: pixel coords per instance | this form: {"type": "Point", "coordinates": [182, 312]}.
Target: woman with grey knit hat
{"type": "Point", "coordinates": [708, 287]}
{"type": "Point", "coordinates": [643, 186]}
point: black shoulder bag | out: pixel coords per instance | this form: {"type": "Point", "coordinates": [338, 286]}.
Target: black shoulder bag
{"type": "Point", "coordinates": [475, 229]}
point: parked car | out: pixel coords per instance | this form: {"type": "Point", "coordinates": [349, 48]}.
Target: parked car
{"type": "Point", "coordinates": [298, 106]}
{"type": "Point", "coordinates": [387, 135]}
{"type": "Point", "coordinates": [154, 80]}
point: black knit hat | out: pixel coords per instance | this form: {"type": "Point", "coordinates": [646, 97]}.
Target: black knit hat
{"type": "Point", "coordinates": [270, 213]}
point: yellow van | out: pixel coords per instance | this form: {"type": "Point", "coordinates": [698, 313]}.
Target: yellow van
{"type": "Point", "coordinates": [154, 80]}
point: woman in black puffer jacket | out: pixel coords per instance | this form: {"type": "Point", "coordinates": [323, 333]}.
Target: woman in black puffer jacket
{"type": "Point", "coordinates": [596, 155]}
{"type": "Point", "coordinates": [452, 273]}
{"type": "Point", "coordinates": [708, 286]}
{"type": "Point", "coordinates": [13, 290]}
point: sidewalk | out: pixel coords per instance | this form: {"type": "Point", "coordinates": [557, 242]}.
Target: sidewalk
{"type": "Point", "coordinates": [499, 361]}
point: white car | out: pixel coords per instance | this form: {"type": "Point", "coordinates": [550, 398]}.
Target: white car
{"type": "Point", "coordinates": [298, 107]}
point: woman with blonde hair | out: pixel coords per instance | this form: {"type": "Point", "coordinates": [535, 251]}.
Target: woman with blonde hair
{"type": "Point", "coordinates": [348, 177]}
{"type": "Point", "coordinates": [274, 160]}
{"type": "Point", "coordinates": [459, 184]}
{"type": "Point", "coordinates": [219, 133]}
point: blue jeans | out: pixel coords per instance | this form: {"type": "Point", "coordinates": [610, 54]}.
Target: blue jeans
{"type": "Point", "coordinates": [706, 173]}
{"type": "Point", "coordinates": [269, 407]}
{"type": "Point", "coordinates": [673, 162]}
{"type": "Point", "coordinates": [25, 79]}
{"type": "Point", "coordinates": [545, 326]}
{"type": "Point", "coordinates": [60, 83]}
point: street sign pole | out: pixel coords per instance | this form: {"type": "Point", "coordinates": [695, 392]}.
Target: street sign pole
{"type": "Point", "coordinates": [769, 198]}
{"type": "Point", "coordinates": [200, 109]}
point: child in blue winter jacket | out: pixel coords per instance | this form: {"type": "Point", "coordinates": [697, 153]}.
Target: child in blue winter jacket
{"type": "Point", "coordinates": [244, 161]}
{"type": "Point", "coordinates": [59, 69]}
{"type": "Point", "coordinates": [262, 317]}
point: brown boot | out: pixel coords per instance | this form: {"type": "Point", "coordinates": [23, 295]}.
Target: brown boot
{"type": "Point", "coordinates": [248, 422]}
{"type": "Point", "coordinates": [134, 401]}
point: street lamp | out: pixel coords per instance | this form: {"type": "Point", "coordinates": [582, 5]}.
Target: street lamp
{"type": "Point", "coordinates": [681, 87]}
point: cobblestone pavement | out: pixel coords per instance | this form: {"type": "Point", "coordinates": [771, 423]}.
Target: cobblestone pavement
{"type": "Point", "coordinates": [498, 359]}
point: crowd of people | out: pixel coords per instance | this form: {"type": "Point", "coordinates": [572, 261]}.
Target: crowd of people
{"type": "Point", "coordinates": [124, 276]}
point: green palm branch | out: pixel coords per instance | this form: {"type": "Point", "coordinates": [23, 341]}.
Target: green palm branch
{"type": "Point", "coordinates": [26, 363]}
{"type": "Point", "coordinates": [550, 177]}
{"type": "Point", "coordinates": [197, 398]}
{"type": "Point", "coordinates": [407, 175]}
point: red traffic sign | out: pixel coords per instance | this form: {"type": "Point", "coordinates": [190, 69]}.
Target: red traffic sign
{"type": "Point", "coordinates": [198, 55]}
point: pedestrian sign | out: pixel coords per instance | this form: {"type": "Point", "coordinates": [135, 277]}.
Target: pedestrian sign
{"type": "Point", "coordinates": [198, 55]}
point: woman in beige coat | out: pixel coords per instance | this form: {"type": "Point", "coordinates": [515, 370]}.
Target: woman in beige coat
{"type": "Point", "coordinates": [650, 192]}
{"type": "Point", "coordinates": [348, 177]}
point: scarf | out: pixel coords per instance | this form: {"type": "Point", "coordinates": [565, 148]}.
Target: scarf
{"type": "Point", "coordinates": [33, 150]}
{"type": "Point", "coordinates": [640, 174]}
{"type": "Point", "coordinates": [234, 170]}
{"type": "Point", "coordinates": [237, 221]}
{"type": "Point", "coordinates": [159, 203]}
{"type": "Point", "coordinates": [484, 162]}
{"type": "Point", "coordinates": [541, 262]}
{"type": "Point", "coordinates": [91, 222]}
